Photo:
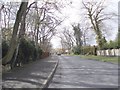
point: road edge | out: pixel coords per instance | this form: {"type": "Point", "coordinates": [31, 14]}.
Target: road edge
{"type": "Point", "coordinates": [46, 82]}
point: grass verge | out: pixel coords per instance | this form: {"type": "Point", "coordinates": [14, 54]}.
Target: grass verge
{"type": "Point", "coordinates": [114, 60]}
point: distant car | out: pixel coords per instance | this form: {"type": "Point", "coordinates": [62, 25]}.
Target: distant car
{"type": "Point", "coordinates": [59, 54]}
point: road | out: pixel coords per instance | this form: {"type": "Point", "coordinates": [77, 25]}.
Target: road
{"type": "Point", "coordinates": [75, 72]}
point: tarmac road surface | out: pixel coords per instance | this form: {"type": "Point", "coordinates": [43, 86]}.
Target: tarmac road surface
{"type": "Point", "coordinates": [75, 72]}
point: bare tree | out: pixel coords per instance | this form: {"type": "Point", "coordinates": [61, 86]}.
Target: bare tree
{"type": "Point", "coordinates": [21, 33]}
{"type": "Point", "coordinates": [48, 30]}
{"type": "Point", "coordinates": [9, 14]}
{"type": "Point", "coordinates": [85, 34]}
{"type": "Point", "coordinates": [67, 39]}
{"type": "Point", "coordinates": [1, 10]}
{"type": "Point", "coordinates": [44, 21]}
{"type": "Point", "coordinates": [95, 13]}
{"type": "Point", "coordinates": [13, 42]}
{"type": "Point", "coordinates": [8, 17]}
{"type": "Point", "coordinates": [78, 34]}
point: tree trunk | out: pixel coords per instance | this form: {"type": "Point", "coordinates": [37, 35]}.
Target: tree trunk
{"type": "Point", "coordinates": [13, 43]}
{"type": "Point", "coordinates": [99, 34]}
{"type": "Point", "coordinates": [96, 30]}
{"type": "Point", "coordinates": [21, 35]}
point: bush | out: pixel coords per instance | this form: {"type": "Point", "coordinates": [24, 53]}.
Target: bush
{"type": "Point", "coordinates": [88, 50]}
{"type": "Point", "coordinates": [35, 52]}
{"type": "Point", "coordinates": [76, 50]}
{"type": "Point", "coordinates": [5, 48]}
{"type": "Point", "coordinates": [23, 53]}
{"type": "Point", "coordinates": [39, 52]}
{"type": "Point", "coordinates": [110, 45]}
{"type": "Point", "coordinates": [32, 50]}
{"type": "Point", "coordinates": [28, 51]}
{"type": "Point", "coordinates": [85, 50]}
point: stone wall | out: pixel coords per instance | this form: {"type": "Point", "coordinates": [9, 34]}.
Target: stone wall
{"type": "Point", "coordinates": [109, 52]}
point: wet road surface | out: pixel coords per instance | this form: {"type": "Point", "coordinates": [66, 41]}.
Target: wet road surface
{"type": "Point", "coordinates": [75, 72]}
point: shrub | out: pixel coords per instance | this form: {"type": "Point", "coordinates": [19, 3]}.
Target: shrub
{"type": "Point", "coordinates": [31, 49]}
{"type": "Point", "coordinates": [39, 52]}
{"type": "Point", "coordinates": [110, 45]}
{"type": "Point", "coordinates": [85, 50]}
{"type": "Point", "coordinates": [5, 48]}
{"type": "Point", "coordinates": [76, 50]}
{"type": "Point", "coordinates": [28, 51]}
{"type": "Point", "coordinates": [88, 50]}
{"type": "Point", "coordinates": [24, 53]}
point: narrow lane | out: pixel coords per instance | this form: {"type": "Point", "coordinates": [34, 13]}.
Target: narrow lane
{"type": "Point", "coordinates": [74, 72]}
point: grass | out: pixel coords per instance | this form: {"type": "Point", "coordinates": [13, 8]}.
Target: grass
{"type": "Point", "coordinates": [101, 58]}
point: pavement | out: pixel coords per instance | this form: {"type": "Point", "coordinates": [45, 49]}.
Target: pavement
{"type": "Point", "coordinates": [75, 72]}
{"type": "Point", "coordinates": [33, 75]}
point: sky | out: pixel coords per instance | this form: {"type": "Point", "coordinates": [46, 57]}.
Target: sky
{"type": "Point", "coordinates": [73, 14]}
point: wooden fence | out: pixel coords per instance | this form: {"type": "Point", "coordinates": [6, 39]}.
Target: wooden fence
{"type": "Point", "coordinates": [109, 52]}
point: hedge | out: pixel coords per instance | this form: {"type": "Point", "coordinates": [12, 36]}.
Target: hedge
{"type": "Point", "coordinates": [27, 51]}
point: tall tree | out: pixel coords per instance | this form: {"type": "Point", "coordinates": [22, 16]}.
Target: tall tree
{"type": "Point", "coordinates": [21, 34]}
{"type": "Point", "coordinates": [67, 39]}
{"type": "Point", "coordinates": [45, 22]}
{"type": "Point", "coordinates": [95, 13]}
{"type": "Point", "coordinates": [1, 8]}
{"type": "Point", "coordinates": [13, 43]}
{"type": "Point", "coordinates": [77, 34]}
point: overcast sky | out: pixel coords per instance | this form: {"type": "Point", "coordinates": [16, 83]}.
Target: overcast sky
{"type": "Point", "coordinates": [73, 14]}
